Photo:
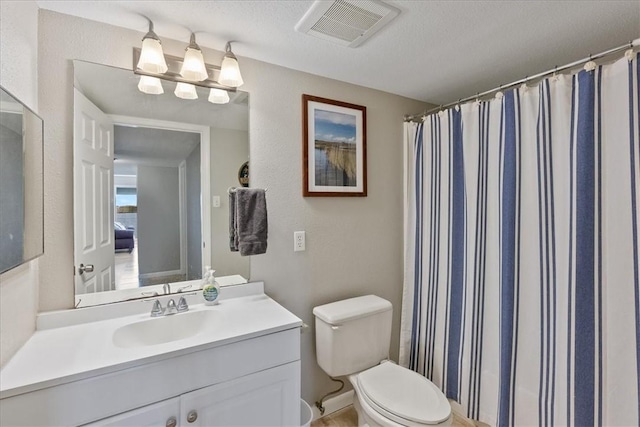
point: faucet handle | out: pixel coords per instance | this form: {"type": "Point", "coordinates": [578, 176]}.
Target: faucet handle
{"type": "Point", "coordinates": [182, 288]}
{"type": "Point", "coordinates": [182, 305]}
{"type": "Point", "coordinates": [157, 309]}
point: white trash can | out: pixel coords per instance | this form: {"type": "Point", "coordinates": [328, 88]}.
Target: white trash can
{"type": "Point", "coordinates": [306, 414]}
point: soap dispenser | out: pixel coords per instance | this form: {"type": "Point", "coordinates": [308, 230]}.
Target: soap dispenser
{"type": "Point", "coordinates": [210, 288]}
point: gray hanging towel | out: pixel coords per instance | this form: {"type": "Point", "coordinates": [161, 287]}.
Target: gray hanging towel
{"type": "Point", "coordinates": [233, 236]}
{"type": "Point", "coordinates": [251, 221]}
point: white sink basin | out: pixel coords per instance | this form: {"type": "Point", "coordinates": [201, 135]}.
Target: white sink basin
{"type": "Point", "coordinates": [164, 329]}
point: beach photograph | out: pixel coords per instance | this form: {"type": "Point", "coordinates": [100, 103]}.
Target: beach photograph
{"type": "Point", "coordinates": [335, 149]}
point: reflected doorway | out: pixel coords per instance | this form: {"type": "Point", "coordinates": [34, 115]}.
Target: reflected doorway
{"type": "Point", "coordinates": [157, 210]}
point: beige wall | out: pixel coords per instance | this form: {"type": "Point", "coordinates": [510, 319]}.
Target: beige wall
{"type": "Point", "coordinates": [19, 60]}
{"type": "Point", "coordinates": [354, 245]}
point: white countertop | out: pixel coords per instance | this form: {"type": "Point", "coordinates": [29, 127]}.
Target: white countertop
{"type": "Point", "coordinates": [64, 354]}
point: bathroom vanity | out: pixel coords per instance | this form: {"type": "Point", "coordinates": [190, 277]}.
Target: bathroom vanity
{"type": "Point", "coordinates": [235, 363]}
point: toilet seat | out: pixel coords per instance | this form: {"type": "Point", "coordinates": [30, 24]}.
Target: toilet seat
{"type": "Point", "coordinates": [402, 395]}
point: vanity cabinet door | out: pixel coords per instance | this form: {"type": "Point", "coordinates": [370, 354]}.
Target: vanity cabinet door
{"type": "Point", "coordinates": [161, 414]}
{"type": "Point", "coordinates": [266, 398]}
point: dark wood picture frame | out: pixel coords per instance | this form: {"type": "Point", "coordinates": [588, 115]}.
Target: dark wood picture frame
{"type": "Point", "coordinates": [334, 147]}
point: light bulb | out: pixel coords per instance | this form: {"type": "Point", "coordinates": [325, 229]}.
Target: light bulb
{"type": "Point", "coordinates": [151, 56]}
{"type": "Point", "coordinates": [230, 70]}
{"type": "Point", "coordinates": [185, 91]}
{"type": "Point", "coordinates": [193, 65]}
{"type": "Point", "coordinates": [218, 96]}
{"type": "Point", "coordinates": [150, 85]}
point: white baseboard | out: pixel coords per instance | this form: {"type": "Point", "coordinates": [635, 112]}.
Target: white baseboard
{"type": "Point", "coordinates": [333, 404]}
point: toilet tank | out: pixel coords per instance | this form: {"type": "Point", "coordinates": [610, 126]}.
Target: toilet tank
{"type": "Point", "coordinates": [353, 334]}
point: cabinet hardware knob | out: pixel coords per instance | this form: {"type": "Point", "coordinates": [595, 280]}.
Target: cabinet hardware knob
{"type": "Point", "coordinates": [192, 416]}
{"type": "Point", "coordinates": [88, 268]}
{"type": "Point", "coordinates": [172, 422]}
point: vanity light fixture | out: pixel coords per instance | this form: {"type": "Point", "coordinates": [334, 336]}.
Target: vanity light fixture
{"type": "Point", "coordinates": [185, 91]}
{"type": "Point", "coordinates": [150, 85]}
{"type": "Point", "coordinates": [218, 96]}
{"type": "Point", "coordinates": [193, 65]}
{"type": "Point", "coordinates": [187, 72]}
{"type": "Point", "coordinates": [152, 57]}
{"type": "Point", "coordinates": [230, 70]}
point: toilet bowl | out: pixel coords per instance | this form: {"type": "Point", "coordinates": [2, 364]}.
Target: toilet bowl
{"type": "Point", "coordinates": [352, 339]}
{"type": "Point", "coordinates": [390, 395]}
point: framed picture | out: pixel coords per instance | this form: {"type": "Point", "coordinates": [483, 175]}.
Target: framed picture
{"type": "Point", "coordinates": [334, 148]}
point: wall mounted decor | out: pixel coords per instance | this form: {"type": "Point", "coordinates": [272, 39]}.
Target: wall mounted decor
{"type": "Point", "coordinates": [334, 148]}
{"type": "Point", "coordinates": [243, 174]}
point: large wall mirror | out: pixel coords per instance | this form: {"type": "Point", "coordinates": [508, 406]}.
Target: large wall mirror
{"type": "Point", "coordinates": [151, 174]}
{"type": "Point", "coordinates": [21, 183]}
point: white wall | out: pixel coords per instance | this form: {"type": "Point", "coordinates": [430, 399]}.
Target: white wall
{"type": "Point", "coordinates": [224, 174]}
{"type": "Point", "coordinates": [18, 75]}
{"type": "Point", "coordinates": [158, 219]}
{"type": "Point", "coordinates": [354, 245]}
{"type": "Point", "coordinates": [193, 215]}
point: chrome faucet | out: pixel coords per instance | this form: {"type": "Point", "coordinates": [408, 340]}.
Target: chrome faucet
{"type": "Point", "coordinates": [157, 310]}
{"type": "Point", "coordinates": [171, 308]}
{"type": "Point", "coordinates": [166, 288]}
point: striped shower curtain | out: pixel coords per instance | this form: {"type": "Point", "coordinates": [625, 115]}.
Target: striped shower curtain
{"type": "Point", "coordinates": [521, 291]}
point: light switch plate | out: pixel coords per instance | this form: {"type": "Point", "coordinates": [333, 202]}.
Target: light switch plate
{"type": "Point", "coordinates": [216, 201]}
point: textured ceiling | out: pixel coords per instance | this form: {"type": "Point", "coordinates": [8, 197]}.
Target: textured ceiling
{"type": "Point", "coordinates": [435, 51]}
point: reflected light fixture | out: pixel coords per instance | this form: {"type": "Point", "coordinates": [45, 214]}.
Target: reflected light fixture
{"type": "Point", "coordinates": [230, 70]}
{"type": "Point", "coordinates": [150, 85]}
{"type": "Point", "coordinates": [152, 57]}
{"type": "Point", "coordinates": [193, 65]}
{"type": "Point", "coordinates": [218, 96]}
{"type": "Point", "coordinates": [185, 91]}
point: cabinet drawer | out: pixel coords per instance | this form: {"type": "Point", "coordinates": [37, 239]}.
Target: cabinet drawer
{"type": "Point", "coordinates": [156, 415]}
{"type": "Point", "coordinates": [91, 399]}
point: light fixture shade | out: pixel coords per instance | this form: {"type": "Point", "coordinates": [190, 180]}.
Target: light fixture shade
{"type": "Point", "coordinates": [193, 65]}
{"type": "Point", "coordinates": [185, 91]}
{"type": "Point", "coordinates": [230, 72]}
{"type": "Point", "coordinates": [150, 85]}
{"type": "Point", "coordinates": [218, 96]}
{"type": "Point", "coordinates": [151, 57]}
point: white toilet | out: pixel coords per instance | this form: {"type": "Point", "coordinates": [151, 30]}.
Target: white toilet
{"type": "Point", "coordinates": [352, 338]}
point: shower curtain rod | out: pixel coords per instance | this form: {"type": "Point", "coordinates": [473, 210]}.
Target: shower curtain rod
{"type": "Point", "coordinates": [420, 117]}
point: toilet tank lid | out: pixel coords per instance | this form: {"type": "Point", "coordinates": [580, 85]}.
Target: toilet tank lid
{"type": "Point", "coordinates": [338, 312]}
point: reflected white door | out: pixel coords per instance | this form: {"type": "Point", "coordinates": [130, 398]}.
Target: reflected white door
{"type": "Point", "coordinates": [92, 197]}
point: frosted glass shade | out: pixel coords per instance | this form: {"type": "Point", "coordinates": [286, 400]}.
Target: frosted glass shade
{"type": "Point", "coordinates": [185, 91]}
{"type": "Point", "coordinates": [218, 96]}
{"type": "Point", "coordinates": [150, 85]}
{"type": "Point", "coordinates": [151, 57]}
{"type": "Point", "coordinates": [230, 73]}
{"type": "Point", "coordinates": [193, 66]}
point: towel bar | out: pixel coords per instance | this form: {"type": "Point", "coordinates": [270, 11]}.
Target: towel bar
{"type": "Point", "coordinates": [232, 189]}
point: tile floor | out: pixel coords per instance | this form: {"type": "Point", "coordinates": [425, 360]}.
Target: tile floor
{"type": "Point", "coordinates": [126, 272]}
{"type": "Point", "coordinates": [348, 417]}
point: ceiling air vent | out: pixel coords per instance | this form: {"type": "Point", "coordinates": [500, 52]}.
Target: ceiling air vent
{"type": "Point", "coordinates": [347, 22]}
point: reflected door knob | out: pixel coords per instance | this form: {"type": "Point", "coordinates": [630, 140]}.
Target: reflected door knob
{"type": "Point", "coordinates": [172, 422]}
{"type": "Point", "coordinates": [88, 268]}
{"type": "Point", "coordinates": [192, 416]}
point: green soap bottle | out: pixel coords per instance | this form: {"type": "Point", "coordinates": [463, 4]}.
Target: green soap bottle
{"type": "Point", "coordinates": [210, 288]}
